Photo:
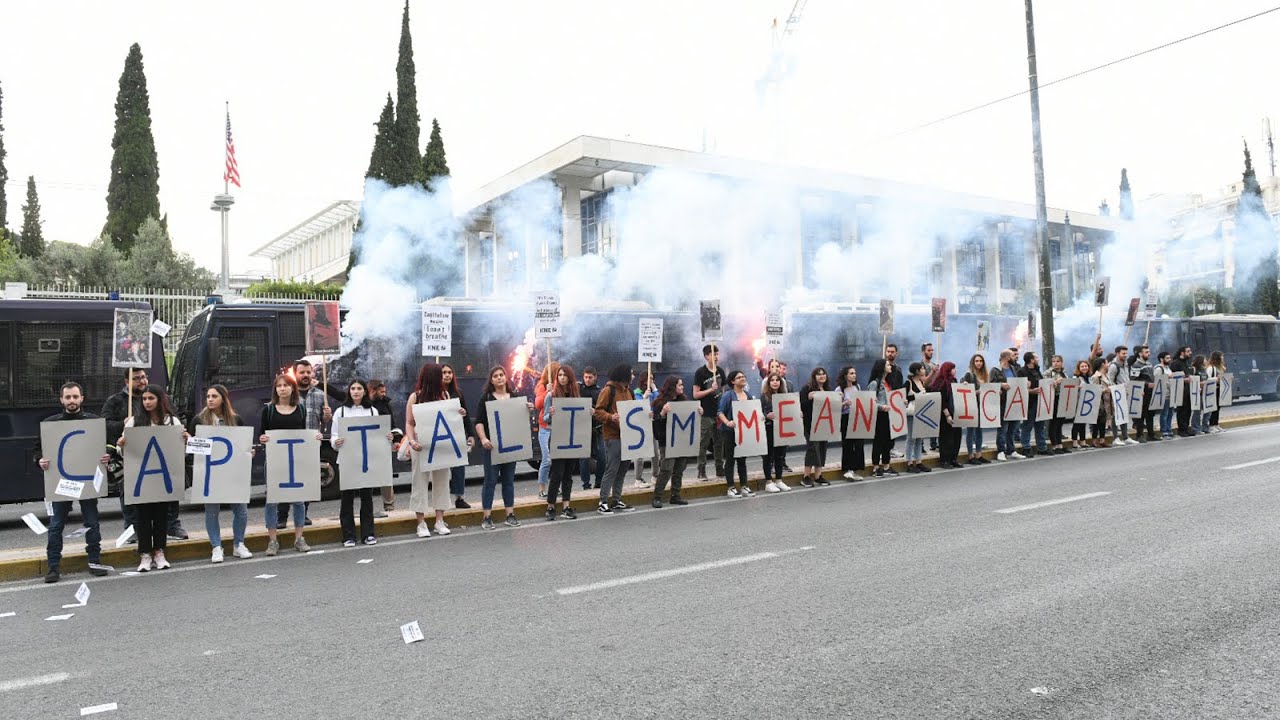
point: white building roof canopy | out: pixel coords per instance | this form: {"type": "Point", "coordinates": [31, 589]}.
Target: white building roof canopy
{"type": "Point", "coordinates": [588, 158]}
{"type": "Point", "coordinates": [327, 218]}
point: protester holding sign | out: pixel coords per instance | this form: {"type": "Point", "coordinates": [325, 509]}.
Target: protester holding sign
{"type": "Point", "coordinates": [152, 518]}
{"type": "Point", "coordinates": [882, 445]}
{"type": "Point", "coordinates": [1117, 374]}
{"type": "Point", "coordinates": [917, 373]}
{"type": "Point", "coordinates": [1216, 368]}
{"type": "Point", "coordinates": [358, 404]}
{"type": "Point", "coordinates": [670, 469]}
{"type": "Point", "coordinates": [588, 388]}
{"type": "Point", "coordinates": [1035, 422]}
{"type": "Point", "coordinates": [727, 422]}
{"type": "Point", "coordinates": [72, 399]}
{"type": "Point", "coordinates": [218, 411]}
{"type": "Point", "coordinates": [430, 488]}
{"type": "Point", "coordinates": [1057, 374]}
{"type": "Point", "coordinates": [1200, 371]}
{"type": "Point", "coordinates": [977, 376]}
{"type": "Point", "coordinates": [115, 410]}
{"type": "Point", "coordinates": [382, 403]}
{"type": "Point", "coordinates": [1160, 375]}
{"type": "Point", "coordinates": [458, 473]}
{"type": "Point", "coordinates": [948, 433]}
{"type": "Point", "coordinates": [606, 412]}
{"type": "Point", "coordinates": [645, 389]}
{"type": "Point", "coordinates": [284, 413]}
{"type": "Point", "coordinates": [815, 451]}
{"type": "Point", "coordinates": [1080, 430]}
{"type": "Point", "coordinates": [1098, 376]}
{"type": "Point", "coordinates": [316, 414]}
{"type": "Point", "coordinates": [561, 485]}
{"type": "Point", "coordinates": [540, 392]}
{"type": "Point", "coordinates": [1182, 364]}
{"type": "Point", "coordinates": [708, 384]}
{"type": "Point", "coordinates": [775, 458]}
{"type": "Point", "coordinates": [853, 455]}
{"type": "Point", "coordinates": [496, 390]}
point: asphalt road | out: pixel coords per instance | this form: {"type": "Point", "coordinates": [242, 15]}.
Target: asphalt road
{"type": "Point", "coordinates": [1150, 593]}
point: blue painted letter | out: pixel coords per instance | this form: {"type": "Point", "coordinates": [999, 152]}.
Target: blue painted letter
{"type": "Point", "coordinates": [637, 428]}
{"type": "Point", "coordinates": [364, 443]}
{"type": "Point", "coordinates": [288, 443]}
{"type": "Point", "coordinates": [62, 470]}
{"type": "Point", "coordinates": [573, 416]}
{"type": "Point", "coordinates": [497, 435]}
{"type": "Point", "coordinates": [674, 421]}
{"type": "Point", "coordinates": [210, 462]}
{"type": "Point", "coordinates": [437, 435]}
{"type": "Point", "coordinates": [163, 470]}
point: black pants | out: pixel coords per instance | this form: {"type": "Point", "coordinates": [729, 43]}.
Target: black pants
{"type": "Point", "coordinates": [151, 523]}
{"type": "Point", "coordinates": [815, 454]}
{"type": "Point", "coordinates": [853, 456]}
{"type": "Point", "coordinates": [346, 514]}
{"type": "Point", "coordinates": [560, 484]}
{"type": "Point", "coordinates": [775, 460]}
{"type": "Point", "coordinates": [730, 461]}
{"type": "Point", "coordinates": [1055, 431]}
{"type": "Point", "coordinates": [948, 443]}
{"type": "Point", "coordinates": [1213, 418]}
{"type": "Point", "coordinates": [1184, 415]}
{"type": "Point", "coordinates": [882, 446]}
{"type": "Point", "coordinates": [1078, 432]}
{"type": "Point", "coordinates": [1146, 419]}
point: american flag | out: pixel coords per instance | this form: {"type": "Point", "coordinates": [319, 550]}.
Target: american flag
{"type": "Point", "coordinates": [232, 173]}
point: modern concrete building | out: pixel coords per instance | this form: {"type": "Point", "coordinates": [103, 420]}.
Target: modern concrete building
{"type": "Point", "coordinates": [316, 249]}
{"type": "Point", "coordinates": [993, 266]}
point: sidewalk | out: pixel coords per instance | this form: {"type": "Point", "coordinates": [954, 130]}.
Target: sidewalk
{"type": "Point", "coordinates": [30, 562]}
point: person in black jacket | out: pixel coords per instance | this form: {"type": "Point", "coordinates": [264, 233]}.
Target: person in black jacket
{"type": "Point", "coordinates": [1182, 364]}
{"type": "Point", "coordinates": [382, 403]}
{"type": "Point", "coordinates": [116, 410]}
{"type": "Point", "coordinates": [588, 388]}
{"type": "Point", "coordinates": [1031, 371]}
{"type": "Point", "coordinates": [72, 400]}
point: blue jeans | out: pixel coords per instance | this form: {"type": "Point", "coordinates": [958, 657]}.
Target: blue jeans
{"type": "Point", "coordinates": [1005, 434]}
{"type": "Point", "coordinates": [1166, 421]}
{"type": "Point", "coordinates": [1196, 422]}
{"type": "Point", "coordinates": [584, 465]}
{"type": "Point", "coordinates": [973, 442]}
{"type": "Point", "coordinates": [458, 480]}
{"type": "Point", "coordinates": [1038, 426]}
{"type": "Point", "coordinates": [544, 468]}
{"type": "Point", "coordinates": [915, 448]}
{"type": "Point", "coordinates": [504, 473]}
{"type": "Point", "coordinates": [239, 519]}
{"type": "Point", "coordinates": [58, 523]}
{"type": "Point", "coordinates": [298, 510]}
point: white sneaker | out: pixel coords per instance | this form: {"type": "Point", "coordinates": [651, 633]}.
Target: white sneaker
{"type": "Point", "coordinates": [771, 487]}
{"type": "Point", "coordinates": [159, 561]}
{"type": "Point", "coordinates": [851, 475]}
{"type": "Point", "coordinates": [783, 486]}
{"type": "Point", "coordinates": [442, 528]}
{"type": "Point", "coordinates": [348, 543]}
{"type": "Point", "coordinates": [1018, 456]}
{"type": "Point", "coordinates": [217, 555]}
{"type": "Point", "coordinates": [1001, 458]}
{"type": "Point", "coordinates": [422, 529]}
{"type": "Point", "coordinates": [1216, 429]}
{"type": "Point", "coordinates": [733, 492]}
{"type": "Point", "coordinates": [242, 552]}
{"type": "Point", "coordinates": [144, 563]}
{"type": "Point", "coordinates": [746, 491]}
{"type": "Point", "coordinates": [1131, 441]}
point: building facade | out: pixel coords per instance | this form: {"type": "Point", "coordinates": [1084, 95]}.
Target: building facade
{"type": "Point", "coordinates": [986, 259]}
{"type": "Point", "coordinates": [316, 249]}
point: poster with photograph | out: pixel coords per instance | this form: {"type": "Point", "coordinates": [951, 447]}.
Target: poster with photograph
{"type": "Point", "coordinates": [886, 317]}
{"type": "Point", "coordinates": [323, 328]}
{"type": "Point", "coordinates": [1101, 292]}
{"type": "Point", "coordinates": [984, 335]}
{"type": "Point", "coordinates": [938, 314]}
{"type": "Point", "coordinates": [709, 314]}
{"type": "Point", "coordinates": [1131, 315]}
{"type": "Point", "coordinates": [131, 338]}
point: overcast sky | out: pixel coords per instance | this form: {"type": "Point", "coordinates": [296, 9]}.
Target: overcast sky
{"type": "Point", "coordinates": [510, 80]}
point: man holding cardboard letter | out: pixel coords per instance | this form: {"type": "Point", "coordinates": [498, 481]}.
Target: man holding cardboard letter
{"type": "Point", "coordinates": [78, 461]}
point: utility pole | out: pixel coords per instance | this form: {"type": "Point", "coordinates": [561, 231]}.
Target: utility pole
{"type": "Point", "coordinates": [1042, 212]}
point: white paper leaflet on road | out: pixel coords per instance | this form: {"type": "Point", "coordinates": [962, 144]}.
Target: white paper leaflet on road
{"type": "Point", "coordinates": [411, 633]}
{"type": "Point", "coordinates": [34, 523]}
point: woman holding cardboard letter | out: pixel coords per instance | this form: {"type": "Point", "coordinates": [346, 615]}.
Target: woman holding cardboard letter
{"type": "Point", "coordinates": [852, 455]}
{"type": "Point", "coordinates": [561, 485]}
{"type": "Point", "coordinates": [977, 377]}
{"type": "Point", "coordinates": [152, 518]}
{"type": "Point", "coordinates": [284, 413]}
{"type": "Point", "coordinates": [882, 445]}
{"type": "Point", "coordinates": [669, 469]}
{"type": "Point", "coordinates": [504, 473]}
{"type": "Point", "coordinates": [775, 459]}
{"type": "Point", "coordinates": [430, 489]}
{"type": "Point", "coordinates": [815, 453]}
{"type": "Point", "coordinates": [724, 418]}
{"type": "Point", "coordinates": [358, 404]}
{"type": "Point", "coordinates": [218, 411]}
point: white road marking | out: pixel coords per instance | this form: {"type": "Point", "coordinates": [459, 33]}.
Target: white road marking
{"type": "Point", "coordinates": [68, 616]}
{"type": "Point", "coordinates": [1255, 463]}
{"type": "Point", "coordinates": [72, 605]}
{"type": "Point", "coordinates": [94, 710]}
{"type": "Point", "coordinates": [21, 683]}
{"type": "Point", "coordinates": [7, 614]}
{"type": "Point", "coordinates": [673, 572]}
{"type": "Point", "coordinates": [263, 576]}
{"type": "Point", "coordinates": [1047, 503]}
{"type": "Point", "coordinates": [365, 561]}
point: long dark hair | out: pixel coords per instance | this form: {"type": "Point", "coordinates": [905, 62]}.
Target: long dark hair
{"type": "Point", "coordinates": [842, 380]}
{"type": "Point", "coordinates": [163, 410]}
{"type": "Point", "coordinates": [766, 387]}
{"type": "Point", "coordinates": [228, 413]}
{"type": "Point", "coordinates": [571, 389]}
{"type": "Point", "coordinates": [1197, 363]}
{"type": "Point", "coordinates": [364, 400]}
{"type": "Point", "coordinates": [813, 385]}
{"type": "Point", "coordinates": [621, 374]}
{"type": "Point", "coordinates": [878, 370]}
{"type": "Point", "coordinates": [1217, 360]}
{"type": "Point", "coordinates": [454, 390]}
{"type": "Point", "coordinates": [430, 385]}
{"type": "Point", "coordinates": [488, 383]}
{"type": "Point", "coordinates": [668, 392]}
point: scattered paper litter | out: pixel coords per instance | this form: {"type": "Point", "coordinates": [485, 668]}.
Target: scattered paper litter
{"type": "Point", "coordinates": [72, 605]}
{"type": "Point", "coordinates": [124, 537]}
{"type": "Point", "coordinates": [7, 614]}
{"type": "Point", "coordinates": [34, 523]}
{"type": "Point", "coordinates": [82, 594]}
{"type": "Point", "coordinates": [264, 576]}
{"type": "Point", "coordinates": [411, 633]}
{"type": "Point", "coordinates": [78, 532]}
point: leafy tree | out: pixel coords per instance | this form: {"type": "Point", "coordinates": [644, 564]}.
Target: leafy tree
{"type": "Point", "coordinates": [434, 164]}
{"type": "Point", "coordinates": [4, 174]}
{"type": "Point", "coordinates": [405, 166]}
{"type": "Point", "coordinates": [1263, 293]}
{"type": "Point", "coordinates": [11, 265]}
{"type": "Point", "coordinates": [154, 264]}
{"type": "Point", "coordinates": [32, 244]}
{"type": "Point", "coordinates": [133, 194]}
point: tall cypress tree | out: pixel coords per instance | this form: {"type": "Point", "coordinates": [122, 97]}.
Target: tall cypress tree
{"type": "Point", "coordinates": [4, 173]}
{"type": "Point", "coordinates": [434, 164]}
{"type": "Point", "coordinates": [405, 166]}
{"type": "Point", "coordinates": [32, 243]}
{"type": "Point", "coordinates": [380, 159]}
{"type": "Point", "coordinates": [134, 192]}
{"type": "Point", "coordinates": [1126, 196]}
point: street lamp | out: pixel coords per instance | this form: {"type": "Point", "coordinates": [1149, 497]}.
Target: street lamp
{"type": "Point", "coordinates": [222, 205]}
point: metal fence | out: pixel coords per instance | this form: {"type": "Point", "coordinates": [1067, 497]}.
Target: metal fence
{"type": "Point", "coordinates": [175, 307]}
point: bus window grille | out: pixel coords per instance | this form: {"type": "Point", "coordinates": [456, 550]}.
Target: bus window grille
{"type": "Point", "coordinates": [83, 356]}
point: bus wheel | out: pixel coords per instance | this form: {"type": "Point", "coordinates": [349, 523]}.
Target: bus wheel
{"type": "Point", "coordinates": [329, 480]}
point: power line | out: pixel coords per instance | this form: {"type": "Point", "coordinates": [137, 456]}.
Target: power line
{"type": "Point", "coordinates": [1075, 75]}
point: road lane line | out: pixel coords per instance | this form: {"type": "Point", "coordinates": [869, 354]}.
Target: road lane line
{"type": "Point", "coordinates": [95, 709]}
{"type": "Point", "coordinates": [22, 683]}
{"type": "Point", "coordinates": [1047, 503]}
{"type": "Point", "coordinates": [1255, 463]}
{"type": "Point", "coordinates": [661, 574]}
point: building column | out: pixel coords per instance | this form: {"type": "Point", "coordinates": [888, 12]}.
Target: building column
{"type": "Point", "coordinates": [571, 216]}
{"type": "Point", "coordinates": [992, 252]}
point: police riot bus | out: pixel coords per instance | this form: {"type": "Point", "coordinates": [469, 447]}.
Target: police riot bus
{"type": "Point", "coordinates": [43, 344]}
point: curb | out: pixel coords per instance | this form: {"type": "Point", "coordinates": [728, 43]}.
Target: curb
{"type": "Point", "coordinates": [192, 550]}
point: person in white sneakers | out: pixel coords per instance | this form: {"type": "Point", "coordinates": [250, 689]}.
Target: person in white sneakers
{"type": "Point", "coordinates": [152, 518]}
{"type": "Point", "coordinates": [775, 459]}
{"type": "Point", "coordinates": [357, 404]}
{"type": "Point", "coordinates": [218, 411]}
{"type": "Point", "coordinates": [430, 488]}
{"type": "Point", "coordinates": [732, 459]}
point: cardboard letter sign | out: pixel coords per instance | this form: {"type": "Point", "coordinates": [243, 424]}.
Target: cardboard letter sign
{"type": "Point", "coordinates": [74, 449]}
{"type": "Point", "coordinates": [635, 428]}
{"type": "Point", "coordinates": [223, 476]}
{"type": "Point", "coordinates": [293, 466]}
{"type": "Point", "coordinates": [749, 438]}
{"type": "Point", "coordinates": [964, 398]}
{"type": "Point", "coordinates": [989, 405]}
{"type": "Point", "coordinates": [824, 421]}
{"type": "Point", "coordinates": [509, 430]}
{"type": "Point", "coordinates": [927, 409]}
{"type": "Point", "coordinates": [364, 460]}
{"type": "Point", "coordinates": [862, 415]}
{"type": "Point", "coordinates": [788, 420]}
{"type": "Point", "coordinates": [437, 330]}
{"type": "Point", "coordinates": [154, 464]}
{"type": "Point", "coordinates": [571, 427]}
{"type": "Point", "coordinates": [684, 428]}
